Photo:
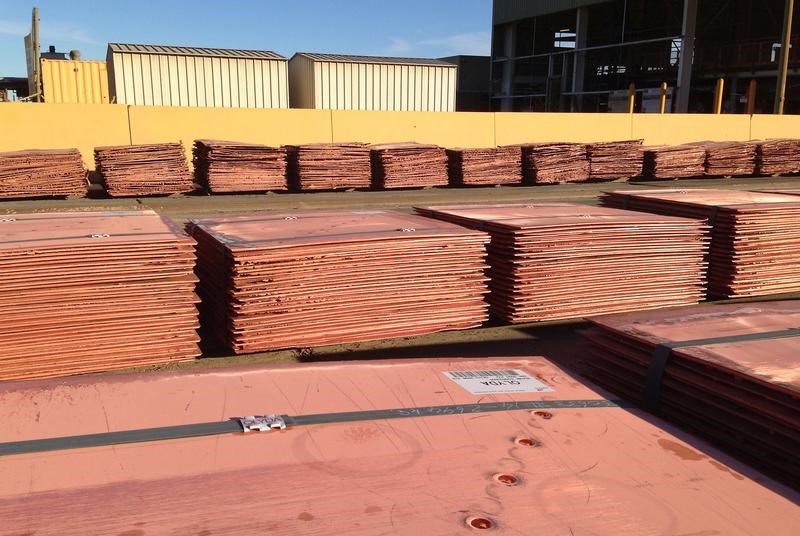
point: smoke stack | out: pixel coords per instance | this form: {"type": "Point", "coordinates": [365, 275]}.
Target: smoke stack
{"type": "Point", "coordinates": [75, 55]}
{"type": "Point", "coordinates": [52, 49]}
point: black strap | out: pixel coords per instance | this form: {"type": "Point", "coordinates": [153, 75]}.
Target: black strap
{"type": "Point", "coordinates": [233, 425]}
{"type": "Point", "coordinates": [712, 215]}
{"type": "Point", "coordinates": [663, 352]}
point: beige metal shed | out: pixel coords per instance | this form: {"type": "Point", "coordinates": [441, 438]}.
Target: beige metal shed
{"type": "Point", "coordinates": [340, 82]}
{"type": "Point", "coordinates": [189, 76]}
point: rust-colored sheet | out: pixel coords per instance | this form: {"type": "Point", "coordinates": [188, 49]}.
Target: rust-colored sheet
{"type": "Point", "coordinates": [615, 159]}
{"type": "Point", "coordinates": [489, 166]}
{"type": "Point", "coordinates": [228, 166]}
{"type": "Point", "coordinates": [408, 165]}
{"type": "Point", "coordinates": [560, 260]}
{"type": "Point", "coordinates": [730, 158]}
{"type": "Point", "coordinates": [309, 278]}
{"type": "Point", "coordinates": [42, 173]}
{"type": "Point", "coordinates": [754, 235]}
{"type": "Point", "coordinates": [559, 471]}
{"type": "Point", "coordinates": [778, 156]}
{"type": "Point", "coordinates": [94, 291]}
{"type": "Point", "coordinates": [742, 394]}
{"type": "Point", "coordinates": [329, 166]}
{"type": "Point", "coordinates": [148, 169]}
{"type": "Point", "coordinates": [547, 163]}
{"type": "Point", "coordinates": [674, 161]}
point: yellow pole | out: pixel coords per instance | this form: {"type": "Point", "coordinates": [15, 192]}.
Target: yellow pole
{"type": "Point", "coordinates": [662, 107]}
{"type": "Point", "coordinates": [718, 96]}
{"type": "Point", "coordinates": [751, 97]}
{"type": "Point", "coordinates": [631, 97]}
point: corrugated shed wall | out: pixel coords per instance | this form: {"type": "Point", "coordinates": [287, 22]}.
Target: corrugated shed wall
{"type": "Point", "coordinates": [367, 86]}
{"type": "Point", "coordinates": [165, 80]}
{"type": "Point", "coordinates": [75, 82]}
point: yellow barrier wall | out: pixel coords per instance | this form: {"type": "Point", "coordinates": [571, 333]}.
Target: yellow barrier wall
{"type": "Point", "coordinates": [774, 126]}
{"type": "Point", "coordinates": [516, 127]}
{"type": "Point", "coordinates": [156, 124]}
{"type": "Point", "coordinates": [60, 126]}
{"type": "Point", "coordinates": [673, 129]}
{"type": "Point", "coordinates": [448, 129]}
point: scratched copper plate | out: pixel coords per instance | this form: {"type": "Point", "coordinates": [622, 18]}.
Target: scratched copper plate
{"type": "Point", "coordinates": [486, 166]}
{"type": "Point", "coordinates": [42, 173]}
{"type": "Point", "coordinates": [227, 166]}
{"type": "Point", "coordinates": [309, 278]}
{"type": "Point", "coordinates": [408, 165]}
{"type": "Point", "coordinates": [584, 474]}
{"type": "Point", "coordinates": [743, 395]}
{"type": "Point", "coordinates": [753, 233]}
{"type": "Point", "coordinates": [328, 166]}
{"type": "Point", "coordinates": [94, 291]}
{"type": "Point", "coordinates": [558, 261]}
{"type": "Point", "coordinates": [778, 156]}
{"type": "Point", "coordinates": [146, 169]}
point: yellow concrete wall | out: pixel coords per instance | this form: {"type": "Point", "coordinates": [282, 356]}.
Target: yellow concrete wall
{"type": "Point", "coordinates": [156, 124]}
{"type": "Point", "coordinates": [673, 129]}
{"type": "Point", "coordinates": [448, 129]}
{"type": "Point", "coordinates": [515, 127]}
{"type": "Point", "coordinates": [61, 126]}
{"type": "Point", "coordinates": [774, 126]}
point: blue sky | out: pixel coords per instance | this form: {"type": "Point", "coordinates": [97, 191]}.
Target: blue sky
{"type": "Point", "coordinates": [431, 28]}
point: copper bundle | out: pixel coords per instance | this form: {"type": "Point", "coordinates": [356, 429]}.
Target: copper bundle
{"type": "Point", "coordinates": [227, 166]}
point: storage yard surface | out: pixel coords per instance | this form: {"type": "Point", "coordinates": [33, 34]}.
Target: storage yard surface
{"type": "Point", "coordinates": [558, 341]}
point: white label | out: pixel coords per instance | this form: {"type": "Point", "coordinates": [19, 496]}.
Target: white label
{"type": "Point", "coordinates": [486, 382]}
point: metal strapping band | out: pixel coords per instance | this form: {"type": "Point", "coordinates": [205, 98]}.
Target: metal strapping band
{"type": "Point", "coordinates": [663, 352]}
{"type": "Point", "coordinates": [238, 424]}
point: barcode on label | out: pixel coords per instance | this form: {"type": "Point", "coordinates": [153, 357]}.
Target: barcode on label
{"type": "Point", "coordinates": [470, 374]}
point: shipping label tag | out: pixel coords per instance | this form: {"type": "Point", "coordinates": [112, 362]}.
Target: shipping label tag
{"type": "Point", "coordinates": [486, 382]}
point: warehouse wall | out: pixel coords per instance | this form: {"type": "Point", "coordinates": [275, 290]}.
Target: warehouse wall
{"type": "Point", "coordinates": [84, 126]}
{"type": "Point", "coordinates": [78, 82]}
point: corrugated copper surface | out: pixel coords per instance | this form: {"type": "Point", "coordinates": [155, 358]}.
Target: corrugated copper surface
{"type": "Point", "coordinates": [560, 260]}
{"type": "Point", "coordinates": [87, 292]}
{"type": "Point", "coordinates": [147, 169]}
{"type": "Point", "coordinates": [42, 173]}
{"type": "Point", "coordinates": [485, 166]}
{"type": "Point", "coordinates": [755, 235]}
{"type": "Point", "coordinates": [744, 395]}
{"type": "Point", "coordinates": [227, 166]}
{"type": "Point", "coordinates": [329, 166]}
{"type": "Point", "coordinates": [408, 165]}
{"type": "Point", "coordinates": [302, 279]}
{"type": "Point", "coordinates": [558, 472]}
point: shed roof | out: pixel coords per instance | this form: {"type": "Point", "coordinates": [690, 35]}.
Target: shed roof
{"type": "Point", "coordinates": [195, 51]}
{"type": "Point", "coordinates": [385, 60]}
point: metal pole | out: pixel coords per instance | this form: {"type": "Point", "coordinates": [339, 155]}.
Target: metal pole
{"type": "Point", "coordinates": [687, 56]}
{"type": "Point", "coordinates": [631, 97]}
{"type": "Point", "coordinates": [718, 95]}
{"type": "Point", "coordinates": [662, 106]}
{"type": "Point", "coordinates": [780, 92]}
{"type": "Point", "coordinates": [751, 97]}
{"type": "Point", "coordinates": [36, 63]}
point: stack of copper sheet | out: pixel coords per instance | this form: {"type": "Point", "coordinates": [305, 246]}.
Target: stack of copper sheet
{"type": "Point", "coordinates": [731, 374]}
{"type": "Point", "coordinates": [154, 169]}
{"type": "Point", "coordinates": [615, 159]}
{"type": "Point", "coordinates": [546, 163]}
{"type": "Point", "coordinates": [557, 261]}
{"type": "Point", "coordinates": [305, 279]}
{"type": "Point", "coordinates": [778, 156]}
{"type": "Point", "coordinates": [408, 165]}
{"type": "Point", "coordinates": [674, 161]}
{"type": "Point", "coordinates": [329, 166]}
{"type": "Point", "coordinates": [755, 236]}
{"type": "Point", "coordinates": [92, 291]}
{"type": "Point", "coordinates": [730, 158]}
{"type": "Point", "coordinates": [485, 167]}
{"type": "Point", "coordinates": [42, 173]}
{"type": "Point", "coordinates": [374, 447]}
{"type": "Point", "coordinates": [227, 166]}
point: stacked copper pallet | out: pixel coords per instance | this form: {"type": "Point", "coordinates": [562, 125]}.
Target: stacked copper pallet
{"type": "Point", "coordinates": [730, 158]}
{"type": "Point", "coordinates": [731, 374]}
{"type": "Point", "coordinates": [547, 163]}
{"type": "Point", "coordinates": [674, 161]}
{"type": "Point", "coordinates": [153, 169]}
{"type": "Point", "coordinates": [42, 173]}
{"type": "Point", "coordinates": [87, 292]}
{"type": "Point", "coordinates": [780, 156]}
{"type": "Point", "coordinates": [615, 159]}
{"type": "Point", "coordinates": [755, 236]}
{"type": "Point", "coordinates": [329, 166]}
{"type": "Point", "coordinates": [327, 277]}
{"type": "Point", "coordinates": [408, 165]}
{"type": "Point", "coordinates": [558, 261]}
{"type": "Point", "coordinates": [485, 167]}
{"type": "Point", "coordinates": [227, 166]}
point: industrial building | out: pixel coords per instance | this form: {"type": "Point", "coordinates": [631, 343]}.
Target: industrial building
{"type": "Point", "coordinates": [473, 87]}
{"type": "Point", "coordinates": [582, 55]}
{"type": "Point", "coordinates": [343, 82]}
{"type": "Point", "coordinates": [190, 76]}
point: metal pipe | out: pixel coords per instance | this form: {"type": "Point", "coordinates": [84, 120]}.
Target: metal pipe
{"type": "Point", "coordinates": [751, 97]}
{"type": "Point", "coordinates": [718, 91]}
{"type": "Point", "coordinates": [631, 97]}
{"type": "Point", "coordinates": [687, 56]}
{"type": "Point", "coordinates": [662, 105]}
{"type": "Point", "coordinates": [780, 92]}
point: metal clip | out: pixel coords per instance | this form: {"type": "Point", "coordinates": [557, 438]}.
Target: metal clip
{"type": "Point", "coordinates": [407, 229]}
{"type": "Point", "coordinates": [261, 423]}
{"type": "Point", "coordinates": [290, 217]}
{"type": "Point", "coordinates": [99, 235]}
{"type": "Point", "coordinates": [7, 220]}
